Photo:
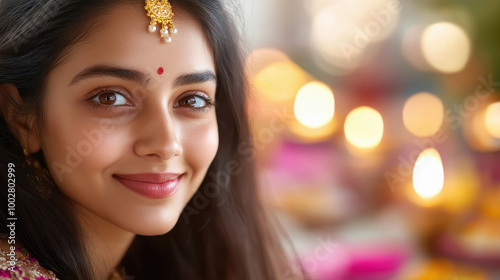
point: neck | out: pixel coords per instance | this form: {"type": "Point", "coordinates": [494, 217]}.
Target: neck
{"type": "Point", "coordinates": [105, 243]}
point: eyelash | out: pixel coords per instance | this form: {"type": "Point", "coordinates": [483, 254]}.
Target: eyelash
{"type": "Point", "coordinates": [209, 101]}
{"type": "Point", "coordinates": [95, 105]}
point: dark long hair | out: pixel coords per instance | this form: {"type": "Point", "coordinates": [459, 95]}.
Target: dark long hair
{"type": "Point", "coordinates": [223, 232]}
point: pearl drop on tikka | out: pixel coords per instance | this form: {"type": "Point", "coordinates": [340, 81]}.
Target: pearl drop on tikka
{"type": "Point", "coordinates": [160, 11]}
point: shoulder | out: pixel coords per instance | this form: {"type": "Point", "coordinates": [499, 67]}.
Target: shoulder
{"type": "Point", "coordinates": [17, 263]}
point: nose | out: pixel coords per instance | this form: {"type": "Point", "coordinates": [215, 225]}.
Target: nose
{"type": "Point", "coordinates": [157, 135]}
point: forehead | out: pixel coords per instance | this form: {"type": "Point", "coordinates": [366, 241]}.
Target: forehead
{"type": "Point", "coordinates": [121, 38]}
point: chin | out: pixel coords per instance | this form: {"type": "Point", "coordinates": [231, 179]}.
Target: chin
{"type": "Point", "coordinates": [155, 231]}
{"type": "Point", "coordinates": [151, 228]}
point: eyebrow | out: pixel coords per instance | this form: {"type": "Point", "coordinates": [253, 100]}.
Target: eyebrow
{"type": "Point", "coordinates": [111, 71]}
{"type": "Point", "coordinates": [140, 77]}
{"type": "Point", "coordinates": [195, 78]}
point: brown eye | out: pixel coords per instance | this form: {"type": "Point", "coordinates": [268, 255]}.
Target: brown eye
{"type": "Point", "coordinates": [107, 98]}
{"type": "Point", "coordinates": [193, 101]}
{"type": "Point", "coordinates": [110, 98]}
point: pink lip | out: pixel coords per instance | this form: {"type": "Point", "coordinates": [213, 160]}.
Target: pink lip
{"type": "Point", "coordinates": [151, 185]}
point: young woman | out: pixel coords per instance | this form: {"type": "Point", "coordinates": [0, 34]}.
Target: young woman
{"type": "Point", "coordinates": [121, 145]}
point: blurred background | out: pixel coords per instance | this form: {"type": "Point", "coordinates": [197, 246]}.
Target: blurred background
{"type": "Point", "coordinates": [377, 130]}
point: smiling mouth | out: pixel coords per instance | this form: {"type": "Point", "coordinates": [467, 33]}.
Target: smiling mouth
{"type": "Point", "coordinates": [151, 185]}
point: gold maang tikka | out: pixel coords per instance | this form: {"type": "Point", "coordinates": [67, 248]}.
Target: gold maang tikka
{"type": "Point", "coordinates": [160, 11]}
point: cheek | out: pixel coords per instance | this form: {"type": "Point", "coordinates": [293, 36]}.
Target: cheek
{"type": "Point", "coordinates": [200, 147]}
{"type": "Point", "coordinates": [62, 136]}
{"type": "Point", "coordinates": [76, 147]}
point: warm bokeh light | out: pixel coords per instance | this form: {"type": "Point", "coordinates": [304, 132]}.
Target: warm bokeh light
{"type": "Point", "coordinates": [423, 114]}
{"type": "Point", "coordinates": [492, 119]}
{"type": "Point", "coordinates": [439, 268]}
{"type": "Point", "coordinates": [342, 30]}
{"type": "Point", "coordinates": [260, 58]}
{"type": "Point", "coordinates": [314, 105]}
{"type": "Point", "coordinates": [297, 132]}
{"type": "Point", "coordinates": [463, 184]}
{"type": "Point", "coordinates": [428, 173]}
{"type": "Point", "coordinates": [280, 81]}
{"type": "Point", "coordinates": [446, 47]}
{"type": "Point", "coordinates": [479, 129]}
{"type": "Point", "coordinates": [327, 32]}
{"type": "Point", "coordinates": [364, 127]}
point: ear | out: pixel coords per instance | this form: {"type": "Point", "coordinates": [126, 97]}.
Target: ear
{"type": "Point", "coordinates": [20, 124]}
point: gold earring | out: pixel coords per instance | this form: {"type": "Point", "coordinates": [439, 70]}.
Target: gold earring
{"type": "Point", "coordinates": [160, 11]}
{"type": "Point", "coordinates": [40, 177]}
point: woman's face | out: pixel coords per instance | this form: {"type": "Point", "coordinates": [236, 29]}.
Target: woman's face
{"type": "Point", "coordinates": [128, 119]}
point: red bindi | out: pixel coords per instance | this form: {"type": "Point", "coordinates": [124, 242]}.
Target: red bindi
{"type": "Point", "coordinates": [160, 71]}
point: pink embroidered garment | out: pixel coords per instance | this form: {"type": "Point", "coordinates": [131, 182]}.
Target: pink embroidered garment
{"type": "Point", "coordinates": [25, 268]}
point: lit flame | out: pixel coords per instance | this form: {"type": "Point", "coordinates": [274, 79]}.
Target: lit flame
{"type": "Point", "coordinates": [428, 174]}
{"type": "Point", "coordinates": [364, 127]}
{"type": "Point", "coordinates": [314, 105]}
